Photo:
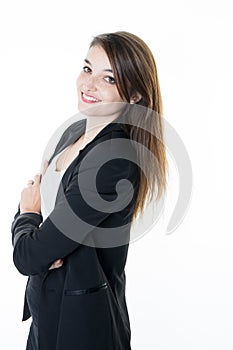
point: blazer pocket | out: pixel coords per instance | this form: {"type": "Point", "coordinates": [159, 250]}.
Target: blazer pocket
{"type": "Point", "coordinates": [86, 291]}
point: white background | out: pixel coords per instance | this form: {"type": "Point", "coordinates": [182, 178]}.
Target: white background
{"type": "Point", "coordinates": [179, 286]}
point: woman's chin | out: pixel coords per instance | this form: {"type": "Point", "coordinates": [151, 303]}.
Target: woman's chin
{"type": "Point", "coordinates": [89, 110]}
{"type": "Point", "coordinates": [101, 109]}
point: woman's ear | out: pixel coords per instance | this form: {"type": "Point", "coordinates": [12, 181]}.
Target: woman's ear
{"type": "Point", "coordinates": [135, 98]}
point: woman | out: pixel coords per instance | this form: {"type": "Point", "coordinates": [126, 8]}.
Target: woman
{"type": "Point", "coordinates": [75, 254]}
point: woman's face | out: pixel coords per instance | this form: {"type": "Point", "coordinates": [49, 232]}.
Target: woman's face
{"type": "Point", "coordinates": [96, 86]}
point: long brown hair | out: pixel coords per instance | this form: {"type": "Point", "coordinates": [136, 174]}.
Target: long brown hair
{"type": "Point", "coordinates": [135, 71]}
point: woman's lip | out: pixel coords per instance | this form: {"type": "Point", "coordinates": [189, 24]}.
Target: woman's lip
{"type": "Point", "coordinates": [88, 98]}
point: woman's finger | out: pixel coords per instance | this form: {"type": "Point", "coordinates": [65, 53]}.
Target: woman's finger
{"type": "Point", "coordinates": [58, 263]}
{"type": "Point", "coordinates": [37, 179]}
{"type": "Point", "coordinates": [30, 182]}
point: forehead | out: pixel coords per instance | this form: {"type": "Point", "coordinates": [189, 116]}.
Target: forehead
{"type": "Point", "coordinates": [98, 58]}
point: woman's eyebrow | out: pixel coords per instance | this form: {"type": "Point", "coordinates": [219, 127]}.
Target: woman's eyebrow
{"type": "Point", "coordinates": [88, 62]}
{"type": "Point", "coordinates": [104, 70]}
{"type": "Point", "coordinates": [108, 70]}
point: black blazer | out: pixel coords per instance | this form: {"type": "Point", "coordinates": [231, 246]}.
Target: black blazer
{"type": "Point", "coordinates": [82, 304]}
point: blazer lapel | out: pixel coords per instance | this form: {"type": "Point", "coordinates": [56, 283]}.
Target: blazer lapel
{"type": "Point", "coordinates": [72, 134]}
{"type": "Point", "coordinates": [76, 130]}
{"type": "Point", "coordinates": [69, 136]}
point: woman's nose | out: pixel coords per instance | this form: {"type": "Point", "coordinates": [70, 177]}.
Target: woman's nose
{"type": "Point", "coordinates": [90, 83]}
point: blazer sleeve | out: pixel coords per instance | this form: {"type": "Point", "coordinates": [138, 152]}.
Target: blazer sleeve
{"type": "Point", "coordinates": [80, 209]}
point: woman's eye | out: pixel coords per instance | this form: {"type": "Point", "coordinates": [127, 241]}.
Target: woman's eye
{"type": "Point", "coordinates": [110, 80]}
{"type": "Point", "coordinates": [86, 69]}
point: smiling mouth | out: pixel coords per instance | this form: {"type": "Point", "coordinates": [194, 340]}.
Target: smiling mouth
{"type": "Point", "coordinates": [88, 98]}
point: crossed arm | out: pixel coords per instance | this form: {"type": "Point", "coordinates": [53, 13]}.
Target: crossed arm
{"type": "Point", "coordinates": [37, 244]}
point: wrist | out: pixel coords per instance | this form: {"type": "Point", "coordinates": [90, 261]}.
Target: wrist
{"type": "Point", "coordinates": [29, 211]}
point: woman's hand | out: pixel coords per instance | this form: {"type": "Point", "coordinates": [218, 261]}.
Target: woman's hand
{"type": "Point", "coordinates": [31, 202]}
{"type": "Point", "coordinates": [30, 196]}
{"type": "Point", "coordinates": [56, 264]}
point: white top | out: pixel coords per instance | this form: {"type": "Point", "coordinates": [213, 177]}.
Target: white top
{"type": "Point", "coordinates": [49, 185]}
